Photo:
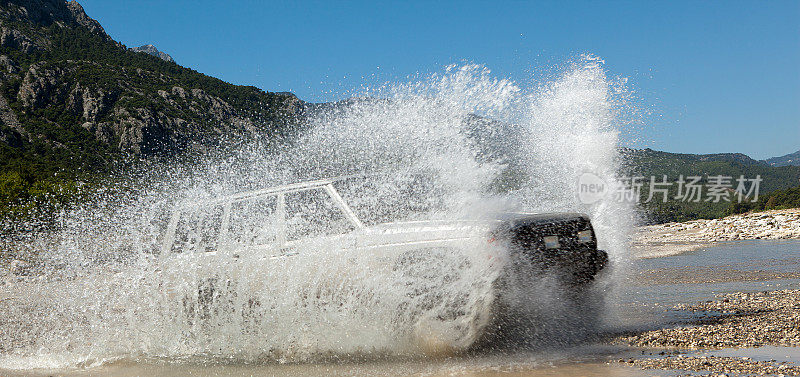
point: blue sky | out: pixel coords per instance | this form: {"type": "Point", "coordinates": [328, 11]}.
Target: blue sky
{"type": "Point", "coordinates": [718, 76]}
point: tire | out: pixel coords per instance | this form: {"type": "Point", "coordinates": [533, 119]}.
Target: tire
{"type": "Point", "coordinates": [540, 310]}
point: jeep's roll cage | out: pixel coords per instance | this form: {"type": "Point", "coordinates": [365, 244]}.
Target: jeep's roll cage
{"type": "Point", "coordinates": [279, 192]}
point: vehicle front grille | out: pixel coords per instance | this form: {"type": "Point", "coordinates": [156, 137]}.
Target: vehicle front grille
{"type": "Point", "coordinates": [528, 236]}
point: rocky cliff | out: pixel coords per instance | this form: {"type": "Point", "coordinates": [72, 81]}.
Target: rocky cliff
{"type": "Point", "coordinates": [68, 92]}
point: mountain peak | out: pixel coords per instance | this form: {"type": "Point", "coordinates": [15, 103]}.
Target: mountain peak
{"type": "Point", "coordinates": [47, 12]}
{"type": "Point", "coordinates": [110, 101]}
{"type": "Point", "coordinates": [152, 50]}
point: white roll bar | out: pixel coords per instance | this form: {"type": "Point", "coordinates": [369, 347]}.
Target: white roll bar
{"type": "Point", "coordinates": [278, 191]}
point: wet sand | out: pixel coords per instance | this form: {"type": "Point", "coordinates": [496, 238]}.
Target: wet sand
{"type": "Point", "coordinates": [590, 361]}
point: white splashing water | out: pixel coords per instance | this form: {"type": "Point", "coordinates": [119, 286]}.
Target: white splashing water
{"type": "Point", "coordinates": [103, 296]}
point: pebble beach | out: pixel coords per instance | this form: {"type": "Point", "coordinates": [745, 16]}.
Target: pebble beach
{"type": "Point", "coordinates": [737, 320]}
{"type": "Point", "coordinates": [675, 238]}
{"type": "Point", "coordinates": [731, 321]}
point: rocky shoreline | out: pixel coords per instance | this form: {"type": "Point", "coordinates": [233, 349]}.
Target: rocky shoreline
{"type": "Point", "coordinates": [719, 366]}
{"type": "Point", "coordinates": [674, 238]}
{"type": "Point", "coordinates": [736, 320]}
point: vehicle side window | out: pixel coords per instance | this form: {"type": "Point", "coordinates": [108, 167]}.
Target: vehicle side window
{"type": "Point", "coordinates": [254, 222]}
{"type": "Point", "coordinates": [198, 230]}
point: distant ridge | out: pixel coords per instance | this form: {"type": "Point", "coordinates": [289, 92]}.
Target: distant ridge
{"type": "Point", "coordinates": [647, 163]}
{"type": "Point", "coordinates": [739, 158]}
{"type": "Point", "coordinates": [152, 50]}
{"type": "Point", "coordinates": [791, 159]}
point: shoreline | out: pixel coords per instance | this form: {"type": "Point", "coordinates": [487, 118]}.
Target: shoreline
{"type": "Point", "coordinates": [752, 329]}
{"type": "Point", "coordinates": [653, 241]}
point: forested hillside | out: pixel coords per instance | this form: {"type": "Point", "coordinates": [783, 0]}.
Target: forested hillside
{"type": "Point", "coordinates": [647, 163]}
{"type": "Point", "coordinates": [75, 104]}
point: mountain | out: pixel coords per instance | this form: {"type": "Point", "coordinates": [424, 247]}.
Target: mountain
{"type": "Point", "coordinates": [152, 50]}
{"type": "Point", "coordinates": [643, 155]}
{"type": "Point", "coordinates": [71, 98]}
{"type": "Point", "coordinates": [77, 106]}
{"type": "Point", "coordinates": [648, 162]}
{"type": "Point", "coordinates": [791, 159]}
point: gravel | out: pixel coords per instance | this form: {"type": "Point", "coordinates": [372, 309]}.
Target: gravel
{"type": "Point", "coordinates": [718, 365]}
{"type": "Point", "coordinates": [736, 320]}
{"type": "Point", "coordinates": [746, 320]}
